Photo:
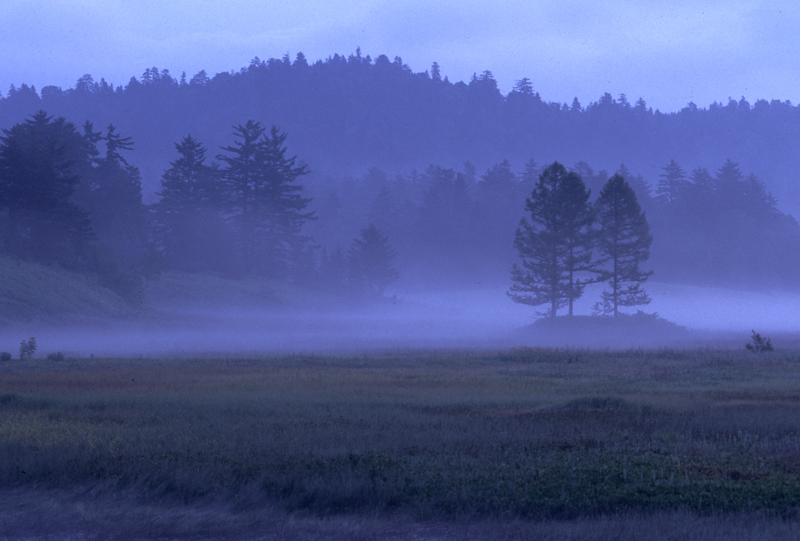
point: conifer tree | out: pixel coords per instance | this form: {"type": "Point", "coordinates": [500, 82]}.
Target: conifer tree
{"type": "Point", "coordinates": [115, 202]}
{"type": "Point", "coordinates": [39, 160]}
{"type": "Point", "coordinates": [370, 263]}
{"type": "Point", "coordinates": [188, 226]}
{"type": "Point", "coordinates": [623, 241]}
{"type": "Point", "coordinates": [264, 202]}
{"type": "Point", "coordinates": [672, 183]}
{"type": "Point", "coordinates": [555, 243]}
{"type": "Point", "coordinates": [189, 184]}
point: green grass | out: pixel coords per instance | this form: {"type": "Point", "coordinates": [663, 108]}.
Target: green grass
{"type": "Point", "coordinates": [528, 433]}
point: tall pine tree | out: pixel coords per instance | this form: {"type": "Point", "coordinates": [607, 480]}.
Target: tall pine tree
{"type": "Point", "coordinates": [115, 201]}
{"type": "Point", "coordinates": [370, 263]}
{"type": "Point", "coordinates": [623, 241]}
{"type": "Point", "coordinates": [555, 243]}
{"type": "Point", "coordinates": [39, 161]}
{"type": "Point", "coordinates": [189, 228]}
{"type": "Point", "coordinates": [264, 200]}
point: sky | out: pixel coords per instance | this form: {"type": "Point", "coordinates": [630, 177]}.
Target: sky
{"type": "Point", "coordinates": [668, 52]}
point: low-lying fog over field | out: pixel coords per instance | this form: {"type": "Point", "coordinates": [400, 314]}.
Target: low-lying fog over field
{"type": "Point", "coordinates": [466, 318]}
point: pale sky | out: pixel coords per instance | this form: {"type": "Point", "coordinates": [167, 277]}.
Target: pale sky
{"type": "Point", "coordinates": [667, 52]}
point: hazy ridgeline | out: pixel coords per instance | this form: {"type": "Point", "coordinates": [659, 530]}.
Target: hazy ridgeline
{"type": "Point", "coordinates": [348, 113]}
{"type": "Point", "coordinates": [441, 169]}
{"type": "Point", "coordinates": [525, 434]}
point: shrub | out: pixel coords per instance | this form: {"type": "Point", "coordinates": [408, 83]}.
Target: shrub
{"type": "Point", "coordinates": [759, 344]}
{"type": "Point", "coordinates": [5, 356]}
{"type": "Point", "coordinates": [57, 357]}
{"type": "Point", "coordinates": [27, 349]}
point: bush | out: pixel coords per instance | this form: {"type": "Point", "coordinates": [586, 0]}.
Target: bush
{"type": "Point", "coordinates": [27, 349]}
{"type": "Point", "coordinates": [759, 344]}
{"type": "Point", "coordinates": [5, 356]}
{"type": "Point", "coordinates": [57, 357]}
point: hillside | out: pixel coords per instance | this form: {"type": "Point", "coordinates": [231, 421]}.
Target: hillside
{"type": "Point", "coordinates": [417, 156]}
{"type": "Point", "coordinates": [348, 113]}
{"type": "Point", "coordinates": [31, 292]}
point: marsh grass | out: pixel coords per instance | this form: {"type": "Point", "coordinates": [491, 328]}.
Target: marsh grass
{"type": "Point", "coordinates": [524, 434]}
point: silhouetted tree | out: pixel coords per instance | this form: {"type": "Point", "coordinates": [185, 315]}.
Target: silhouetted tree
{"type": "Point", "coordinates": [189, 228]}
{"type": "Point", "coordinates": [623, 242]}
{"type": "Point", "coordinates": [498, 201]}
{"type": "Point", "coordinates": [190, 183]}
{"type": "Point", "coordinates": [577, 219]}
{"type": "Point", "coordinates": [264, 202]}
{"type": "Point", "coordinates": [114, 198]}
{"type": "Point", "coordinates": [443, 216]}
{"type": "Point", "coordinates": [702, 184]}
{"type": "Point", "coordinates": [555, 243]}
{"type": "Point", "coordinates": [39, 159]}
{"type": "Point", "coordinates": [672, 183]}
{"type": "Point", "coordinates": [370, 263]}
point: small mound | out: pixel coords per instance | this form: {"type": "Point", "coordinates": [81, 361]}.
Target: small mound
{"type": "Point", "coordinates": [622, 332]}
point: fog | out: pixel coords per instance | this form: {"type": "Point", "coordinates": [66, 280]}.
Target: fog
{"type": "Point", "coordinates": [275, 209]}
{"type": "Point", "coordinates": [463, 319]}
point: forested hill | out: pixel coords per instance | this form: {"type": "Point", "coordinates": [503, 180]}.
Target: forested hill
{"type": "Point", "coordinates": [346, 114]}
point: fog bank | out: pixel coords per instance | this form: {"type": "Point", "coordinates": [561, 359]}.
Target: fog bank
{"type": "Point", "coordinates": [443, 319]}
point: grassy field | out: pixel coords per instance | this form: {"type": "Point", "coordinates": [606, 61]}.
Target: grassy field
{"type": "Point", "coordinates": [504, 441]}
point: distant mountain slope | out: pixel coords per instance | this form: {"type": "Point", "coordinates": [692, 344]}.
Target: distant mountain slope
{"type": "Point", "coordinates": [346, 114]}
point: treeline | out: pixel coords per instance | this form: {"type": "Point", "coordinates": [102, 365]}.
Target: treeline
{"type": "Point", "coordinates": [456, 226]}
{"type": "Point", "coordinates": [63, 201]}
{"type": "Point", "coordinates": [70, 196]}
{"type": "Point", "coordinates": [349, 113]}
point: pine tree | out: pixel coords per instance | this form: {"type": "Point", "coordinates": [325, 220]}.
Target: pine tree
{"type": "Point", "coordinates": [39, 161]}
{"type": "Point", "coordinates": [370, 263]}
{"type": "Point", "coordinates": [577, 217]}
{"type": "Point", "coordinates": [555, 244]}
{"type": "Point", "coordinates": [115, 202]}
{"type": "Point", "coordinates": [623, 241]}
{"type": "Point", "coordinates": [189, 184]}
{"type": "Point", "coordinates": [188, 226]}
{"type": "Point", "coordinates": [672, 183]}
{"type": "Point", "coordinates": [264, 202]}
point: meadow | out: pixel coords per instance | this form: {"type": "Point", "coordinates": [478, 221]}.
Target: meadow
{"type": "Point", "coordinates": [500, 442]}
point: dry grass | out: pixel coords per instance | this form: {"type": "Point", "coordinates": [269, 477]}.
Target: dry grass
{"type": "Point", "coordinates": [463, 442]}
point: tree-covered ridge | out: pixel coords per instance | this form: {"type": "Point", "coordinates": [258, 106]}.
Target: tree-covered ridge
{"type": "Point", "coordinates": [349, 113]}
{"type": "Point", "coordinates": [441, 169]}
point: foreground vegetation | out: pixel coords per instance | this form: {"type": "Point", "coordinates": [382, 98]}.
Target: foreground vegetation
{"type": "Point", "coordinates": [524, 434]}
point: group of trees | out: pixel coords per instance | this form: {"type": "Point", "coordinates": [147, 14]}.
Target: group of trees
{"type": "Point", "coordinates": [365, 270]}
{"type": "Point", "coordinates": [727, 225]}
{"type": "Point", "coordinates": [717, 227]}
{"type": "Point", "coordinates": [564, 232]}
{"type": "Point", "coordinates": [70, 196]}
{"type": "Point", "coordinates": [449, 221]}
{"type": "Point", "coordinates": [348, 112]}
{"type": "Point", "coordinates": [246, 216]}
{"type": "Point", "coordinates": [63, 201]}
{"type": "Point", "coordinates": [252, 211]}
